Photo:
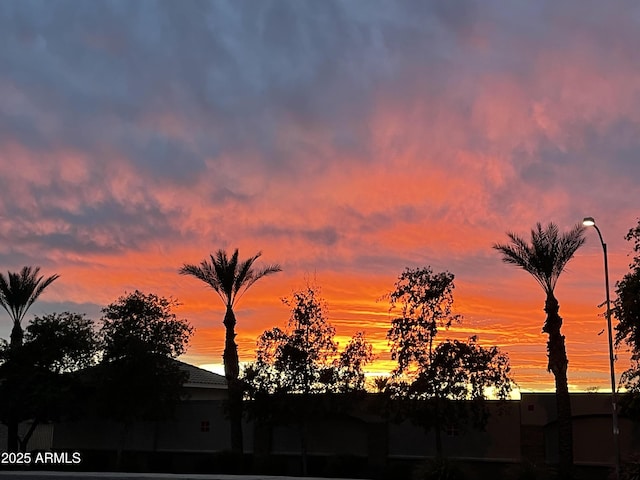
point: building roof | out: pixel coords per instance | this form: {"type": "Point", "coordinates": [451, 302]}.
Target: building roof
{"type": "Point", "coordinates": [201, 378]}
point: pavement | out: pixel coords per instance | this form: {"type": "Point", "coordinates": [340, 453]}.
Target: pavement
{"type": "Point", "coordinates": [32, 475]}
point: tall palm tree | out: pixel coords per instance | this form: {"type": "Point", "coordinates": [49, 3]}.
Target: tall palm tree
{"type": "Point", "coordinates": [18, 291]}
{"type": "Point", "coordinates": [230, 279]}
{"type": "Point", "coordinates": [545, 259]}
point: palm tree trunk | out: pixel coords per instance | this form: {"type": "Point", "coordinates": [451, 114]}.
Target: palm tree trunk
{"type": "Point", "coordinates": [558, 363]}
{"type": "Point", "coordinates": [16, 335]}
{"type": "Point", "coordinates": [13, 442]}
{"type": "Point", "coordinates": [12, 436]}
{"type": "Point", "coordinates": [234, 386]}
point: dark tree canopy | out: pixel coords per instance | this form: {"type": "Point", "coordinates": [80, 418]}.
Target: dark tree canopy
{"type": "Point", "coordinates": [304, 358]}
{"type": "Point", "coordinates": [40, 380]}
{"type": "Point", "coordinates": [140, 323]}
{"type": "Point", "coordinates": [425, 301]}
{"type": "Point", "coordinates": [464, 371]}
{"type": "Point", "coordinates": [426, 368]}
{"type": "Point", "coordinates": [626, 308]}
{"type": "Point", "coordinates": [62, 342]}
{"type": "Point", "coordinates": [138, 377]}
{"type": "Point", "coordinates": [433, 378]}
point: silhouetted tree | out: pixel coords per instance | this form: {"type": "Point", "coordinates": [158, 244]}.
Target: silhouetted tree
{"type": "Point", "coordinates": [545, 258]}
{"type": "Point", "coordinates": [626, 308]}
{"type": "Point", "coordinates": [39, 379]}
{"type": "Point", "coordinates": [425, 299]}
{"type": "Point", "coordinates": [432, 381]}
{"type": "Point", "coordinates": [138, 379]}
{"type": "Point", "coordinates": [349, 367]}
{"type": "Point", "coordinates": [230, 278]}
{"type": "Point", "coordinates": [303, 360]}
{"type": "Point", "coordinates": [18, 291]}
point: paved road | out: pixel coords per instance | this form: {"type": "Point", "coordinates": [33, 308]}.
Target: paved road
{"type": "Point", "coordinates": [134, 476]}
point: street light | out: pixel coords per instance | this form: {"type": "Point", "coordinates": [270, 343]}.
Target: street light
{"type": "Point", "coordinates": [590, 222]}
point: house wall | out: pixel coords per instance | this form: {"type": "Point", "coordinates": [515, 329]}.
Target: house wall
{"type": "Point", "coordinates": [344, 436]}
{"type": "Point", "coordinates": [500, 439]}
{"type": "Point", "coordinates": [516, 430]}
{"type": "Point", "coordinates": [186, 432]}
{"type": "Point", "coordinates": [592, 429]}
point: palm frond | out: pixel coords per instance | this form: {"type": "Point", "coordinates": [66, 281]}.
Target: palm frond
{"type": "Point", "coordinates": [254, 276]}
{"type": "Point", "coordinates": [227, 276]}
{"type": "Point", "coordinates": [244, 273]}
{"type": "Point", "coordinates": [546, 256]}
{"type": "Point", "coordinates": [203, 272]}
{"type": "Point", "coordinates": [19, 290]}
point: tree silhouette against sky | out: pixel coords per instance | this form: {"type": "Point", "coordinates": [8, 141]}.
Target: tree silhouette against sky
{"type": "Point", "coordinates": [230, 278]}
{"type": "Point", "coordinates": [18, 291]}
{"type": "Point", "coordinates": [545, 259]}
{"type": "Point", "coordinates": [434, 378]}
{"type": "Point", "coordinates": [627, 310]}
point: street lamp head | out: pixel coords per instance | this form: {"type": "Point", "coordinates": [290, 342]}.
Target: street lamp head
{"type": "Point", "coordinates": [588, 222]}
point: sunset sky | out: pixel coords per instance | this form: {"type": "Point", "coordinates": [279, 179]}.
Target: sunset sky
{"type": "Point", "coordinates": [346, 140]}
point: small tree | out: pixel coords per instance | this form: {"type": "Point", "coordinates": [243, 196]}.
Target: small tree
{"type": "Point", "coordinates": [432, 382]}
{"type": "Point", "coordinates": [626, 308]}
{"type": "Point", "coordinates": [138, 378]}
{"type": "Point", "coordinates": [303, 360]}
{"type": "Point", "coordinates": [39, 379]}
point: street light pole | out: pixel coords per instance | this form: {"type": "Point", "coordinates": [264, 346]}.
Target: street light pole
{"type": "Point", "coordinates": [590, 222]}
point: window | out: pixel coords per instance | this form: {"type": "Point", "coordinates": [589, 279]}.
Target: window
{"type": "Point", "coordinates": [452, 430]}
{"type": "Point", "coordinates": [204, 426]}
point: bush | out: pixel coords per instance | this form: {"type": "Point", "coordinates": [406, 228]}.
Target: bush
{"type": "Point", "coordinates": [530, 471]}
{"type": "Point", "coordinates": [630, 470]}
{"type": "Point", "coordinates": [439, 469]}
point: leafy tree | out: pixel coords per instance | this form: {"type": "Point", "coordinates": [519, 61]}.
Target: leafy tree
{"type": "Point", "coordinates": [62, 342]}
{"type": "Point", "coordinates": [425, 299]}
{"type": "Point", "coordinates": [302, 360]}
{"type": "Point", "coordinates": [626, 308]}
{"type": "Point", "coordinates": [349, 367]}
{"type": "Point", "coordinates": [230, 278]}
{"type": "Point", "coordinates": [39, 379]}
{"type": "Point", "coordinates": [545, 258]}
{"type": "Point", "coordinates": [433, 382]}
{"type": "Point", "coordinates": [18, 291]}
{"type": "Point", "coordinates": [139, 379]}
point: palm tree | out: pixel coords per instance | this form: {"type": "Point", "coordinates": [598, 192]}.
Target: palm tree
{"type": "Point", "coordinates": [545, 259]}
{"type": "Point", "coordinates": [18, 291]}
{"type": "Point", "coordinates": [230, 279]}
